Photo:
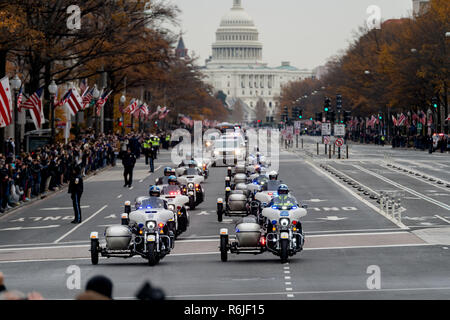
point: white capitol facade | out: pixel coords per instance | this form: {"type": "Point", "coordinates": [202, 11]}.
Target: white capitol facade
{"type": "Point", "coordinates": [236, 66]}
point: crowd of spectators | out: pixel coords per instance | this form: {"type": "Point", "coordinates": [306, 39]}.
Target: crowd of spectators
{"type": "Point", "coordinates": [27, 175]}
{"type": "Point", "coordinates": [97, 288]}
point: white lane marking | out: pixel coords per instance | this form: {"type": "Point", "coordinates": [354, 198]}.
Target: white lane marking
{"type": "Point", "coordinates": [443, 219]}
{"type": "Point", "coordinates": [80, 224]}
{"type": "Point", "coordinates": [287, 278]}
{"type": "Point", "coordinates": [287, 272]}
{"type": "Point", "coordinates": [288, 283]}
{"type": "Point", "coordinates": [132, 188]}
{"type": "Point", "coordinates": [349, 230]}
{"type": "Point", "coordinates": [288, 289]}
{"type": "Point", "coordinates": [217, 253]}
{"type": "Point", "coordinates": [290, 296]}
{"type": "Point", "coordinates": [357, 234]}
{"type": "Point", "coordinates": [367, 203]}
{"type": "Point", "coordinates": [286, 268]}
{"type": "Point", "coordinates": [63, 208]}
{"type": "Point", "coordinates": [400, 186]}
{"type": "Point", "coordinates": [29, 228]}
{"type": "Point", "coordinates": [119, 196]}
{"type": "Point", "coordinates": [203, 213]}
{"type": "Point", "coordinates": [48, 247]}
{"type": "Point", "coordinates": [142, 180]}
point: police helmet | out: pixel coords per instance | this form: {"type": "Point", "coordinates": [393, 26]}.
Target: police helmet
{"type": "Point", "coordinates": [283, 189]}
{"type": "Point", "coordinates": [167, 171]}
{"type": "Point", "coordinates": [192, 164]}
{"type": "Point", "coordinates": [173, 179]}
{"type": "Point", "coordinates": [273, 175]}
{"type": "Point", "coordinates": [154, 191]}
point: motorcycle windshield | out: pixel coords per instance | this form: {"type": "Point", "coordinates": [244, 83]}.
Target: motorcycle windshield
{"type": "Point", "coordinates": [260, 180]}
{"type": "Point", "coordinates": [190, 172]}
{"type": "Point", "coordinates": [272, 185]}
{"type": "Point", "coordinates": [171, 190]}
{"type": "Point", "coordinates": [284, 203]}
{"type": "Point", "coordinates": [153, 203]}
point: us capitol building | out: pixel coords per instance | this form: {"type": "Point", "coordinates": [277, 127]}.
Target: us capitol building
{"type": "Point", "coordinates": [236, 66]}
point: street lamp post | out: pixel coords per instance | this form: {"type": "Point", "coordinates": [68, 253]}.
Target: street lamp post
{"type": "Point", "coordinates": [95, 95]}
{"type": "Point", "coordinates": [52, 89]}
{"type": "Point", "coordinates": [16, 83]}
{"type": "Point", "coordinates": [122, 104]}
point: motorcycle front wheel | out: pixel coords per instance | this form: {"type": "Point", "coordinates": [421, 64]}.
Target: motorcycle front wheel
{"type": "Point", "coordinates": [152, 255]}
{"type": "Point", "coordinates": [284, 250]}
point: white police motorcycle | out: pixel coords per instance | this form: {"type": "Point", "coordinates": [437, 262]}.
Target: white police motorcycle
{"type": "Point", "coordinates": [147, 232]}
{"type": "Point", "coordinates": [280, 234]}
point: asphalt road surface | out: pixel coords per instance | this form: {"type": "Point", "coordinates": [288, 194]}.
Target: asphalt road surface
{"type": "Point", "coordinates": [349, 240]}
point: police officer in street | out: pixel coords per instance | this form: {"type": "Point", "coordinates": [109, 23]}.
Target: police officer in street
{"type": "Point", "coordinates": [128, 161]}
{"type": "Point", "coordinates": [76, 190]}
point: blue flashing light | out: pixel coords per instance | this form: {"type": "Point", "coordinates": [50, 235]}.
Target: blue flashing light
{"type": "Point", "coordinates": [274, 222]}
{"type": "Point", "coordinates": [140, 207]}
{"type": "Point", "coordinates": [275, 207]}
{"type": "Point", "coordinates": [237, 231]}
{"type": "Point", "coordinates": [149, 207]}
{"type": "Point", "coordinates": [140, 225]}
{"type": "Point", "coordinates": [294, 207]}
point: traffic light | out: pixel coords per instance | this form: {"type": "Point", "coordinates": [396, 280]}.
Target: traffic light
{"type": "Point", "coordinates": [120, 122]}
{"type": "Point", "coordinates": [339, 101]}
{"type": "Point", "coordinates": [285, 114]}
{"type": "Point", "coordinates": [319, 116]}
{"type": "Point", "coordinates": [380, 116]}
{"type": "Point", "coordinates": [347, 116]}
{"type": "Point", "coordinates": [300, 114]}
{"type": "Point", "coordinates": [327, 105]}
{"type": "Point", "coordinates": [435, 102]}
{"type": "Point", "coordinates": [295, 112]}
{"type": "Point", "coordinates": [332, 116]}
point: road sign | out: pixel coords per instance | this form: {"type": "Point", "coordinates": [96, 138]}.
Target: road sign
{"type": "Point", "coordinates": [339, 130]}
{"type": "Point", "coordinates": [326, 129]}
{"type": "Point", "coordinates": [326, 140]}
{"type": "Point", "coordinates": [297, 126]}
{"type": "Point", "coordinates": [339, 142]}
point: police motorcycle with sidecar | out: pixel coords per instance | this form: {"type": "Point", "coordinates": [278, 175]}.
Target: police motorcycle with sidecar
{"type": "Point", "coordinates": [191, 180]}
{"type": "Point", "coordinates": [176, 201]}
{"type": "Point", "coordinates": [238, 196]}
{"type": "Point", "coordinates": [148, 231]}
{"type": "Point", "coordinates": [281, 232]}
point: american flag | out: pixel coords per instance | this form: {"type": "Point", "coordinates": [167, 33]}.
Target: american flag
{"type": "Point", "coordinates": [101, 102]}
{"type": "Point", "coordinates": [83, 85]}
{"type": "Point", "coordinates": [401, 120]}
{"type": "Point", "coordinates": [164, 113]}
{"type": "Point", "coordinates": [64, 99]}
{"type": "Point", "coordinates": [394, 121]}
{"type": "Point", "coordinates": [74, 102]}
{"type": "Point", "coordinates": [448, 118]}
{"type": "Point", "coordinates": [34, 104]}
{"type": "Point", "coordinates": [19, 99]}
{"type": "Point", "coordinates": [5, 103]}
{"type": "Point", "coordinates": [87, 97]}
{"type": "Point", "coordinates": [186, 120]}
{"type": "Point", "coordinates": [422, 117]}
{"type": "Point", "coordinates": [132, 107]}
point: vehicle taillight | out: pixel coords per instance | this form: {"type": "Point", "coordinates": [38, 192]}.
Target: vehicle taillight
{"type": "Point", "coordinates": [294, 222]}
{"type": "Point", "coordinates": [262, 241]}
{"type": "Point", "coordinates": [161, 225]}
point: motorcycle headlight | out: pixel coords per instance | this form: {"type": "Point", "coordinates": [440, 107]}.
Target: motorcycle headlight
{"type": "Point", "coordinates": [284, 222]}
{"type": "Point", "coordinates": [171, 207]}
{"type": "Point", "coordinates": [151, 225]}
{"type": "Point", "coordinates": [190, 185]}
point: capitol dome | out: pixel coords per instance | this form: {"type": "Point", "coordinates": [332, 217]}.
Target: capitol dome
{"type": "Point", "coordinates": [237, 39]}
{"type": "Point", "coordinates": [237, 17]}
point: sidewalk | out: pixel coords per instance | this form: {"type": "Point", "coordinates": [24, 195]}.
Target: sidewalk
{"type": "Point", "coordinates": [48, 194]}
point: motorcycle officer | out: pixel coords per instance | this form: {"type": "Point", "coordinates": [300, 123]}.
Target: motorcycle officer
{"type": "Point", "coordinates": [168, 171]}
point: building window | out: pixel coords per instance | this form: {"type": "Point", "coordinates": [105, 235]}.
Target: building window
{"type": "Point", "coordinates": [228, 92]}
{"type": "Point", "coordinates": [270, 104]}
{"type": "Point", "coordinates": [251, 92]}
{"type": "Point", "coordinates": [243, 92]}
{"type": "Point", "coordinates": [228, 84]}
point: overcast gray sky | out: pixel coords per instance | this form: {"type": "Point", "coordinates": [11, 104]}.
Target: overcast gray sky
{"type": "Point", "coordinates": [306, 33]}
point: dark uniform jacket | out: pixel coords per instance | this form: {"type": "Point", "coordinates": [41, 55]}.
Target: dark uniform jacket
{"type": "Point", "coordinates": [129, 159]}
{"type": "Point", "coordinates": [76, 185]}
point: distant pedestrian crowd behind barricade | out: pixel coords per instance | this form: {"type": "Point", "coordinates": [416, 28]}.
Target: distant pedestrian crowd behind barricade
{"type": "Point", "coordinates": [28, 175]}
